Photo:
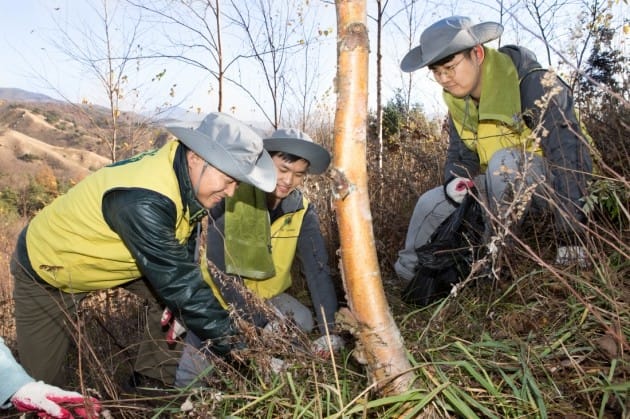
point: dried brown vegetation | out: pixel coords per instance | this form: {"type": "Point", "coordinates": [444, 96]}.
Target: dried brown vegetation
{"type": "Point", "coordinates": [533, 341]}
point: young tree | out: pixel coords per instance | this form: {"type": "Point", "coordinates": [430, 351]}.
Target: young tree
{"type": "Point", "coordinates": [105, 52]}
{"type": "Point", "coordinates": [544, 14]}
{"type": "Point", "coordinates": [270, 32]}
{"type": "Point", "coordinates": [370, 318]}
{"type": "Point", "coordinates": [310, 70]}
{"type": "Point", "coordinates": [409, 29]}
{"type": "Point", "coordinates": [380, 7]}
{"type": "Point", "coordinates": [193, 34]}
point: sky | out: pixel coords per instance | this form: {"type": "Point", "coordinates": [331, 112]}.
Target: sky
{"type": "Point", "coordinates": [31, 61]}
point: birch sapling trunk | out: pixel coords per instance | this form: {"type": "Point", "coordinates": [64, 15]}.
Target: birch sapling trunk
{"type": "Point", "coordinates": [369, 317]}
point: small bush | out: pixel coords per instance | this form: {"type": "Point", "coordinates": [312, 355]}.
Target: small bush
{"type": "Point", "coordinates": [28, 157]}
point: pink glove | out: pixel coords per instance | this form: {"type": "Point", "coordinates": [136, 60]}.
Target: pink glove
{"type": "Point", "coordinates": [47, 400]}
{"type": "Point", "coordinates": [457, 188]}
{"type": "Point", "coordinates": [175, 330]}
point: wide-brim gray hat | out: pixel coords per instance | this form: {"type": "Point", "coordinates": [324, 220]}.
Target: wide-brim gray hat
{"type": "Point", "coordinates": [232, 147]}
{"type": "Point", "coordinates": [293, 141]}
{"type": "Point", "coordinates": [446, 37]}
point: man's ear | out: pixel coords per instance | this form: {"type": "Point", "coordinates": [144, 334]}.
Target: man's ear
{"type": "Point", "coordinates": [192, 157]}
{"type": "Point", "coordinates": [479, 53]}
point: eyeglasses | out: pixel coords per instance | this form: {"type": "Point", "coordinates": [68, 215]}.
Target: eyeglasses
{"type": "Point", "coordinates": [446, 71]}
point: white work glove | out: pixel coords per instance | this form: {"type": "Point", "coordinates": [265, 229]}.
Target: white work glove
{"type": "Point", "coordinates": [272, 328]}
{"type": "Point", "coordinates": [277, 365]}
{"type": "Point", "coordinates": [572, 255]}
{"type": "Point", "coordinates": [457, 188]}
{"type": "Point", "coordinates": [320, 345]}
{"type": "Point", "coordinates": [175, 330]}
{"type": "Point", "coordinates": [47, 400]}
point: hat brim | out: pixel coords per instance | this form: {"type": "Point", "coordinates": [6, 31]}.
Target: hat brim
{"type": "Point", "coordinates": [316, 155]}
{"type": "Point", "coordinates": [484, 32]}
{"type": "Point", "coordinates": [262, 175]}
{"type": "Point", "coordinates": [413, 60]}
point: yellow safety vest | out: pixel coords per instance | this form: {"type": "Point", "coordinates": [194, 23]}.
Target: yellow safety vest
{"type": "Point", "coordinates": [69, 243]}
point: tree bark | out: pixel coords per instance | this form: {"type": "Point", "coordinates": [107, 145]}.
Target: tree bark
{"type": "Point", "coordinates": [369, 318]}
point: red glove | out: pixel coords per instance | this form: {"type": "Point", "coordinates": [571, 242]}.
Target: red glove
{"type": "Point", "coordinates": [175, 330]}
{"type": "Point", "coordinates": [47, 400]}
{"type": "Point", "coordinates": [457, 188]}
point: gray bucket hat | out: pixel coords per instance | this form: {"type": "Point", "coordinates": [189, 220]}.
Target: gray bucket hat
{"type": "Point", "coordinates": [446, 37]}
{"type": "Point", "coordinates": [293, 141]}
{"type": "Point", "coordinates": [232, 147]}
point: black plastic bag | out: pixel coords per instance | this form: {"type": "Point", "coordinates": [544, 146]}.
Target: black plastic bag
{"type": "Point", "coordinates": [447, 258]}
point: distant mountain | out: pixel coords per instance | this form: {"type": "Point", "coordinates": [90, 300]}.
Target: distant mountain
{"type": "Point", "coordinates": [179, 116]}
{"type": "Point", "coordinates": [19, 95]}
{"type": "Point", "coordinates": [172, 116]}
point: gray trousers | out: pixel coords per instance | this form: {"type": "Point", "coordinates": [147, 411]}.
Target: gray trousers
{"type": "Point", "coordinates": [194, 364]}
{"type": "Point", "coordinates": [46, 324]}
{"type": "Point", "coordinates": [507, 171]}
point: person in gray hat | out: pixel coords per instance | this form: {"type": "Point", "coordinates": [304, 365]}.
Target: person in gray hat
{"type": "Point", "coordinates": [136, 224]}
{"type": "Point", "coordinates": [499, 134]}
{"type": "Point", "coordinates": [255, 236]}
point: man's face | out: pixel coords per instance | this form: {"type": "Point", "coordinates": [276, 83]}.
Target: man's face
{"type": "Point", "coordinates": [290, 175]}
{"type": "Point", "coordinates": [211, 184]}
{"type": "Point", "coordinates": [461, 76]}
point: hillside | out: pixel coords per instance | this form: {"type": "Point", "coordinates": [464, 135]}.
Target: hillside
{"type": "Point", "coordinates": [11, 94]}
{"type": "Point", "coordinates": [29, 141]}
{"type": "Point", "coordinates": [70, 139]}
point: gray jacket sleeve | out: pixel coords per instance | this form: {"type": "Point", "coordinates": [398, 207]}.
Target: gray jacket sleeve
{"type": "Point", "coordinates": [313, 257]}
{"type": "Point", "coordinates": [564, 146]}
{"type": "Point", "coordinates": [461, 161]}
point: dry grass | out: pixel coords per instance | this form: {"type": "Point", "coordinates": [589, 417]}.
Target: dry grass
{"type": "Point", "coordinates": [532, 340]}
{"type": "Point", "coordinates": [10, 227]}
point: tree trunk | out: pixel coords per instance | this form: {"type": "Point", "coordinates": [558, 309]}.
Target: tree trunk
{"type": "Point", "coordinates": [379, 85]}
{"type": "Point", "coordinates": [369, 318]}
{"type": "Point", "coordinates": [221, 70]}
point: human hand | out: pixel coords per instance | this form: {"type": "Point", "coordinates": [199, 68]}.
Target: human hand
{"type": "Point", "coordinates": [457, 188]}
{"type": "Point", "coordinates": [175, 330]}
{"type": "Point", "coordinates": [48, 400]}
{"type": "Point", "coordinates": [321, 347]}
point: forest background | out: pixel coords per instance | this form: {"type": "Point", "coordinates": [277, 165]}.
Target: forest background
{"type": "Point", "coordinates": [533, 341]}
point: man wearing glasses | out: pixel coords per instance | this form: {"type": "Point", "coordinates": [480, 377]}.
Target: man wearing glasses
{"type": "Point", "coordinates": [511, 126]}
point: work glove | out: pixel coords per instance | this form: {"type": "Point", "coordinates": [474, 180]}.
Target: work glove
{"type": "Point", "coordinates": [48, 400]}
{"type": "Point", "coordinates": [277, 365]}
{"type": "Point", "coordinates": [572, 255]}
{"type": "Point", "coordinates": [175, 330]}
{"type": "Point", "coordinates": [456, 189]}
{"type": "Point", "coordinates": [320, 345]}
